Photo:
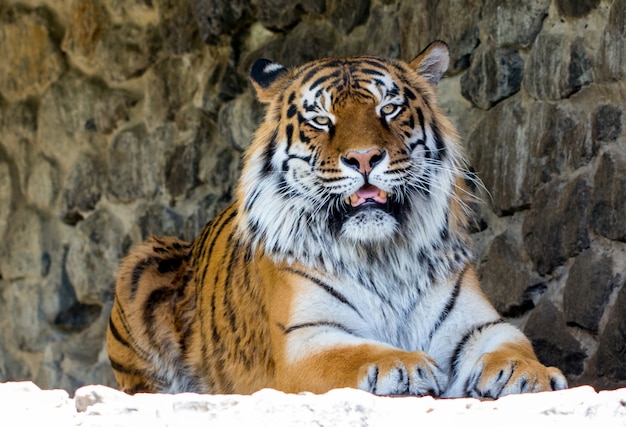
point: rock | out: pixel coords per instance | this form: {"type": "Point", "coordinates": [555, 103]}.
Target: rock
{"type": "Point", "coordinates": [171, 83]}
{"type": "Point", "coordinates": [511, 24]}
{"type": "Point", "coordinates": [306, 42]}
{"type": "Point", "coordinates": [345, 15]}
{"type": "Point", "coordinates": [67, 118]}
{"type": "Point", "coordinates": [218, 17]}
{"type": "Point", "coordinates": [238, 120]}
{"type": "Point", "coordinates": [613, 52]}
{"type": "Point", "coordinates": [508, 154]}
{"type": "Point", "coordinates": [158, 220]}
{"type": "Point", "coordinates": [506, 279]}
{"type": "Point", "coordinates": [6, 196]}
{"type": "Point", "coordinates": [21, 248]}
{"type": "Point", "coordinates": [546, 77]}
{"type": "Point", "coordinates": [27, 69]}
{"type": "Point", "coordinates": [609, 202]}
{"type": "Point", "coordinates": [589, 287]}
{"type": "Point", "coordinates": [126, 51]}
{"type": "Point", "coordinates": [83, 186]}
{"type": "Point", "coordinates": [607, 123]}
{"type": "Point", "coordinates": [132, 163]}
{"type": "Point", "coordinates": [284, 14]}
{"type": "Point", "coordinates": [89, 20]}
{"type": "Point", "coordinates": [494, 74]}
{"type": "Point", "coordinates": [556, 228]}
{"type": "Point", "coordinates": [576, 9]}
{"type": "Point", "coordinates": [612, 342]}
{"type": "Point", "coordinates": [42, 187]}
{"type": "Point", "coordinates": [92, 258]}
{"type": "Point", "coordinates": [553, 343]}
{"type": "Point", "coordinates": [423, 21]}
{"type": "Point", "coordinates": [178, 28]}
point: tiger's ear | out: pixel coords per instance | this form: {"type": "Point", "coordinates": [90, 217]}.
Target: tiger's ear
{"type": "Point", "coordinates": [268, 78]}
{"type": "Point", "coordinates": [432, 63]}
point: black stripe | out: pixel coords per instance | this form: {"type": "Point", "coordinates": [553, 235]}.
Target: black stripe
{"type": "Point", "coordinates": [268, 154]}
{"type": "Point", "coordinates": [116, 334]}
{"type": "Point", "coordinates": [141, 353]}
{"type": "Point", "coordinates": [320, 324]}
{"type": "Point", "coordinates": [157, 298]}
{"type": "Point", "coordinates": [458, 350]}
{"type": "Point", "coordinates": [450, 304]}
{"type": "Point", "coordinates": [140, 267]}
{"type": "Point", "coordinates": [332, 291]}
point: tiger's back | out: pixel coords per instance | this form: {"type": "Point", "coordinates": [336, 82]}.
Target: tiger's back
{"type": "Point", "coordinates": [166, 334]}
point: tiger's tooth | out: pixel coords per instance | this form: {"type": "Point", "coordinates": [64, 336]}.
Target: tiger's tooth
{"type": "Point", "coordinates": [383, 194]}
{"type": "Point", "coordinates": [353, 199]}
{"type": "Point", "coordinates": [347, 200]}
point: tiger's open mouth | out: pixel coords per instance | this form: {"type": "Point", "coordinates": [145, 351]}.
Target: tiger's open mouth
{"type": "Point", "coordinates": [367, 195]}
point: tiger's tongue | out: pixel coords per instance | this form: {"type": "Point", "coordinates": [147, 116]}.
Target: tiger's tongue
{"type": "Point", "coordinates": [368, 192]}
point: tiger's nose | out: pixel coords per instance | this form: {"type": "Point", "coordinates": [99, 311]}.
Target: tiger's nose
{"type": "Point", "coordinates": [363, 161]}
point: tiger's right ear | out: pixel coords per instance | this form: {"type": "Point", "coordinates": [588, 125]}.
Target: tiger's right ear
{"type": "Point", "coordinates": [268, 78]}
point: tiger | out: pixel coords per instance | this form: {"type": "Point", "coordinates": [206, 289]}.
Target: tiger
{"type": "Point", "coordinates": [344, 261]}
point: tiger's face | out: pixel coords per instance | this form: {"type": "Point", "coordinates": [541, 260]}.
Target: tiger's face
{"type": "Point", "coordinates": [352, 150]}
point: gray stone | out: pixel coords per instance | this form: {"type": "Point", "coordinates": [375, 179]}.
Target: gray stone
{"type": "Point", "coordinates": [6, 196]}
{"type": "Point", "coordinates": [510, 23]}
{"type": "Point", "coordinates": [506, 278]}
{"type": "Point", "coordinates": [560, 141]}
{"type": "Point", "coordinates": [589, 286]}
{"type": "Point", "coordinates": [607, 123]}
{"type": "Point", "coordinates": [494, 74]}
{"type": "Point", "coordinates": [89, 20]}
{"type": "Point", "coordinates": [284, 14]}
{"type": "Point", "coordinates": [112, 110]}
{"type": "Point", "coordinates": [218, 17]}
{"type": "Point", "coordinates": [553, 343]}
{"type": "Point", "coordinates": [126, 51]}
{"type": "Point", "coordinates": [423, 21]}
{"type": "Point", "coordinates": [557, 227]}
{"type": "Point", "coordinates": [21, 248]}
{"type": "Point", "coordinates": [27, 69]}
{"type": "Point", "coordinates": [131, 166]}
{"type": "Point", "coordinates": [498, 146]}
{"type": "Point", "coordinates": [611, 351]}
{"type": "Point", "coordinates": [550, 76]}
{"type": "Point", "coordinates": [609, 197]}
{"type": "Point", "coordinates": [308, 41]}
{"type": "Point", "coordinates": [238, 120]}
{"type": "Point", "coordinates": [66, 118]}
{"type": "Point", "coordinates": [159, 220]}
{"type": "Point", "coordinates": [178, 28]}
{"type": "Point", "coordinates": [92, 258]}
{"type": "Point", "coordinates": [576, 9]}
{"type": "Point", "coordinates": [171, 83]}
{"type": "Point", "coordinates": [613, 52]}
{"type": "Point", "coordinates": [345, 15]}
{"type": "Point", "coordinates": [42, 187]}
{"type": "Point", "coordinates": [83, 186]}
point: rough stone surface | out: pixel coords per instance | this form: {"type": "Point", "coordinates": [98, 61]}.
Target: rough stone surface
{"type": "Point", "coordinates": [503, 70]}
{"type": "Point", "coordinates": [557, 227]}
{"type": "Point", "coordinates": [27, 69]}
{"type": "Point", "coordinates": [99, 406]}
{"type": "Point", "coordinates": [120, 119]}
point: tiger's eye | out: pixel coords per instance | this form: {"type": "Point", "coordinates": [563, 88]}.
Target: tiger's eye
{"type": "Point", "coordinates": [388, 109]}
{"type": "Point", "coordinates": [322, 120]}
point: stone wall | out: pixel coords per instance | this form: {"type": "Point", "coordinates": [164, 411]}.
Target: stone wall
{"type": "Point", "coordinates": [120, 119]}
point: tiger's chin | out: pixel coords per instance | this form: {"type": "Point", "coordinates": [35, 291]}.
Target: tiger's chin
{"type": "Point", "coordinates": [369, 225]}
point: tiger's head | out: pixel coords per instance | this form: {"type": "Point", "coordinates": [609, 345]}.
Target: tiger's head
{"type": "Point", "coordinates": [354, 156]}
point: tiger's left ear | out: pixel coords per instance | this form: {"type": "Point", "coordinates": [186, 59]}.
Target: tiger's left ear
{"type": "Point", "coordinates": [268, 78]}
{"type": "Point", "coordinates": [432, 63]}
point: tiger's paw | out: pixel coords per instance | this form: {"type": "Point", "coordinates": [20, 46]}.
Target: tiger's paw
{"type": "Point", "coordinates": [496, 376]}
{"type": "Point", "coordinates": [402, 374]}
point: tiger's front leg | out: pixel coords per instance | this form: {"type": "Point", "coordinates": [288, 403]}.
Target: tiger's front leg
{"type": "Point", "coordinates": [485, 370]}
{"type": "Point", "coordinates": [375, 368]}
